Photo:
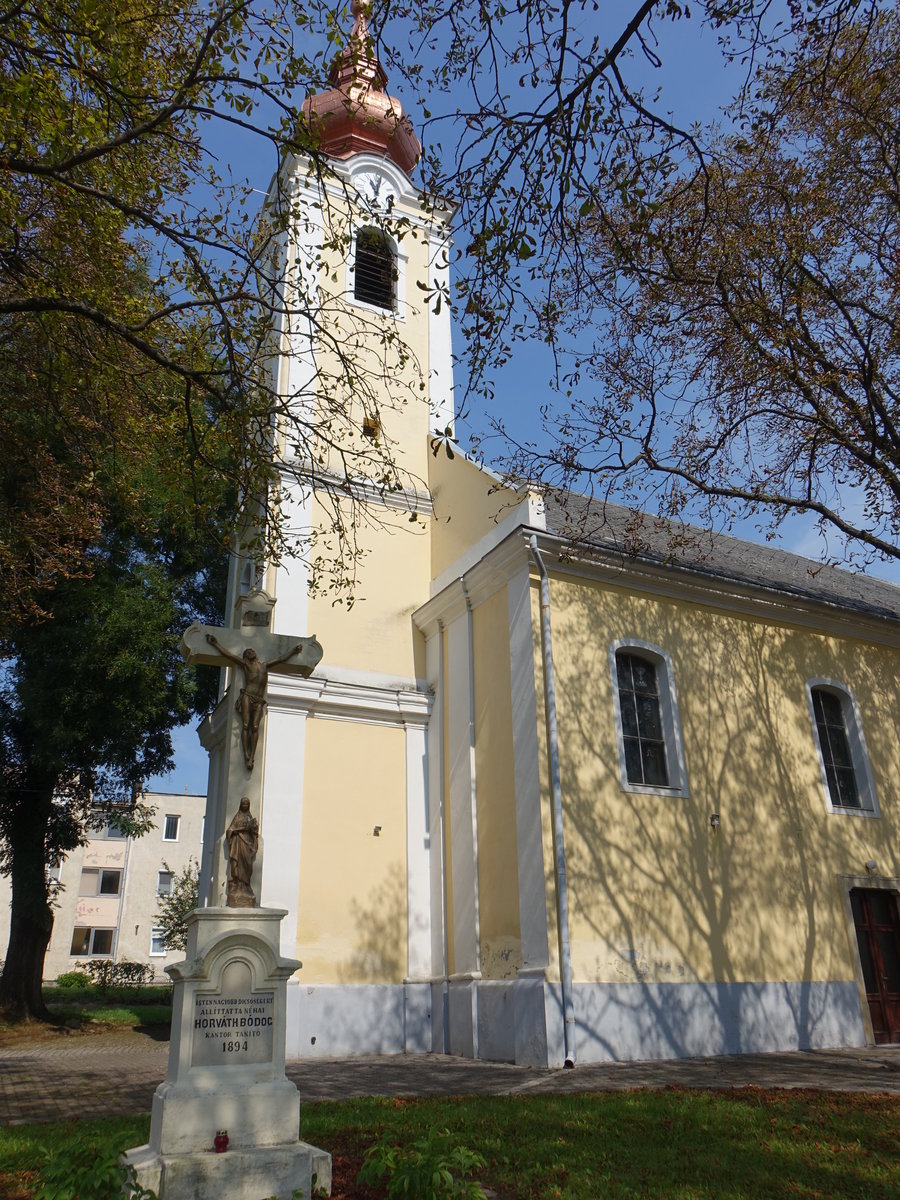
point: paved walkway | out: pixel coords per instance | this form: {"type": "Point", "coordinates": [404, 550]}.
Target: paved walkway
{"type": "Point", "coordinates": [94, 1075]}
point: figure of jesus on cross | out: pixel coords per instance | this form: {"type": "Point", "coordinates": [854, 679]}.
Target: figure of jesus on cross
{"type": "Point", "coordinates": [251, 702]}
{"type": "Point", "coordinates": [256, 651]}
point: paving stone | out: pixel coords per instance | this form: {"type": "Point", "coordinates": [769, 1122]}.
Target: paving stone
{"type": "Point", "coordinates": [114, 1073]}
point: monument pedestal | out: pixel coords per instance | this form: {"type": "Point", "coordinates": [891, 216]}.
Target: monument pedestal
{"type": "Point", "coordinates": [226, 1071]}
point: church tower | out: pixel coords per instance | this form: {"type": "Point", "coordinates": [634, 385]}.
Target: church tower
{"type": "Point", "coordinates": [362, 362]}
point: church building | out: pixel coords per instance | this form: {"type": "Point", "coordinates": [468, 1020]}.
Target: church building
{"type": "Point", "coordinates": [545, 799]}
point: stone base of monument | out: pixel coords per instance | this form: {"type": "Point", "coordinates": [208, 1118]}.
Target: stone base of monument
{"type": "Point", "coordinates": [226, 1072]}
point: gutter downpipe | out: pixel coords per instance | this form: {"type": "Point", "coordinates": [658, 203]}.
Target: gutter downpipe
{"type": "Point", "coordinates": [562, 889]}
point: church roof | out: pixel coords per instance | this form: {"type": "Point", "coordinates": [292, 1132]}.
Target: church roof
{"type": "Point", "coordinates": [357, 115]}
{"type": "Point", "coordinates": [610, 527]}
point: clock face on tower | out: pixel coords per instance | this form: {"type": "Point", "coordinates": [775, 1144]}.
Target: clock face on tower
{"type": "Point", "coordinates": [376, 190]}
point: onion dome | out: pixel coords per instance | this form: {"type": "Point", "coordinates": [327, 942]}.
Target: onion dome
{"type": "Point", "coordinates": [357, 114]}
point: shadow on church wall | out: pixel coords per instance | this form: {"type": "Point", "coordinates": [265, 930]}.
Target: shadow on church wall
{"type": "Point", "coordinates": [748, 917]}
{"type": "Point", "coordinates": [378, 953]}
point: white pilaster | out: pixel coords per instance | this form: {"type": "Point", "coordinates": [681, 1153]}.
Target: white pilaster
{"type": "Point", "coordinates": [435, 675]}
{"type": "Point", "coordinates": [291, 585]}
{"type": "Point", "coordinates": [418, 856]}
{"type": "Point", "coordinates": [532, 886]}
{"type": "Point", "coordinates": [282, 816]}
{"type": "Point", "coordinates": [440, 354]}
{"type": "Point", "coordinates": [463, 829]}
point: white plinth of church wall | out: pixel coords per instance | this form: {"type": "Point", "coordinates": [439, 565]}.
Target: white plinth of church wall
{"type": "Point", "coordinates": [334, 1021]}
{"type": "Point", "coordinates": [631, 1022]}
{"type": "Point", "coordinates": [417, 1017]}
{"type": "Point", "coordinates": [463, 1015]}
{"type": "Point", "coordinates": [530, 1019]}
{"type": "Point", "coordinates": [496, 1020]}
{"type": "Point", "coordinates": [440, 1019]}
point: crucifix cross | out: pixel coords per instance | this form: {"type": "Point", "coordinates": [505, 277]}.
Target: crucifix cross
{"type": "Point", "coordinates": [254, 650]}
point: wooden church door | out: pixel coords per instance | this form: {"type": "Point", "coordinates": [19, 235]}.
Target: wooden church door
{"type": "Point", "coordinates": [878, 933]}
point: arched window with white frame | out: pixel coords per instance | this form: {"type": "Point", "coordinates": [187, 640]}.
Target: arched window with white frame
{"type": "Point", "coordinates": [648, 728]}
{"type": "Point", "coordinates": [841, 748]}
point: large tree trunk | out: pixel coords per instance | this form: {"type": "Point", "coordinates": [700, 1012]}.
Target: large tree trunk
{"type": "Point", "coordinates": [31, 917]}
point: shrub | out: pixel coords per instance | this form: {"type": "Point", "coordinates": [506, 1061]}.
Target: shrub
{"type": "Point", "coordinates": [132, 974]}
{"type": "Point", "coordinates": [431, 1168]}
{"type": "Point", "coordinates": [107, 974]}
{"type": "Point", "coordinates": [73, 979]}
{"type": "Point", "coordinates": [101, 972]}
{"type": "Point", "coordinates": [87, 1167]}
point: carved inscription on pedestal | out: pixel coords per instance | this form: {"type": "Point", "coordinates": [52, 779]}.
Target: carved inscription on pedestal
{"type": "Point", "coordinates": [232, 1031]}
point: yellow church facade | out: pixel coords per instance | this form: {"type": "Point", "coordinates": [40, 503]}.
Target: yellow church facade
{"type": "Point", "coordinates": [548, 799]}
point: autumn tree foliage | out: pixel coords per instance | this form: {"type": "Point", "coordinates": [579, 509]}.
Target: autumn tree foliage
{"type": "Point", "coordinates": [139, 410]}
{"type": "Point", "coordinates": [736, 307]}
{"type": "Point", "coordinates": [173, 909]}
{"type": "Point", "coordinates": [107, 114]}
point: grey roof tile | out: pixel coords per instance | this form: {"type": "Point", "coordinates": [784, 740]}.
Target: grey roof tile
{"type": "Point", "coordinates": [610, 527]}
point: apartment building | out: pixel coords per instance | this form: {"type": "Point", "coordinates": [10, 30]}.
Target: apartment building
{"type": "Point", "coordinates": [109, 889]}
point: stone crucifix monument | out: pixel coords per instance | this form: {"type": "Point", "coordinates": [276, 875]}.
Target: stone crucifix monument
{"type": "Point", "coordinates": [226, 1119]}
{"type": "Point", "coordinates": [251, 651]}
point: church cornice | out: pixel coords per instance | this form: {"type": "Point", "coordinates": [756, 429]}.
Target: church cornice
{"type": "Point", "coordinates": [299, 176]}
{"type": "Point", "coordinates": [345, 699]}
{"type": "Point", "coordinates": [677, 582]}
{"type": "Point", "coordinates": [365, 491]}
{"type": "Point", "coordinates": [568, 559]}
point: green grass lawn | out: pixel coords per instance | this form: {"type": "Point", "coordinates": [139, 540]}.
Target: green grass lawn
{"type": "Point", "coordinates": [764, 1145]}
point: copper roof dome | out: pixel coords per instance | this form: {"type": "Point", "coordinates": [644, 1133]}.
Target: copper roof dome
{"type": "Point", "coordinates": [357, 114]}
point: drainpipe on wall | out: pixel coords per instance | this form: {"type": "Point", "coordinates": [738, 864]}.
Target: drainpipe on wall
{"type": "Point", "coordinates": [562, 889]}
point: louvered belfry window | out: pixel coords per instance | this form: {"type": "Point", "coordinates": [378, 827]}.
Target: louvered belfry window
{"type": "Point", "coordinates": [375, 270]}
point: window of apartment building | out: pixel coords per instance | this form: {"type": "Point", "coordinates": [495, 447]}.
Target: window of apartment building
{"type": "Point", "coordinates": [171, 829]}
{"type": "Point", "coordinates": [113, 832]}
{"type": "Point", "coordinates": [648, 730]}
{"type": "Point", "coordinates": [164, 883]}
{"type": "Point", "coordinates": [91, 942]}
{"type": "Point", "coordinates": [157, 940]}
{"type": "Point", "coordinates": [841, 748]}
{"type": "Point", "coordinates": [98, 881]}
